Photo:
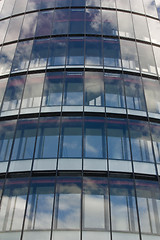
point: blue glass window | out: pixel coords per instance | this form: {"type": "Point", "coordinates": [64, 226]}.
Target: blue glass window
{"type": "Point", "coordinates": [93, 51]}
{"type": "Point", "coordinates": [47, 139]}
{"type": "Point", "coordinates": [44, 23]}
{"type": "Point", "coordinates": [75, 51]}
{"type": "Point", "coordinates": [76, 19]}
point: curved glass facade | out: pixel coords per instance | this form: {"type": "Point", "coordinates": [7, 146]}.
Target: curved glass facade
{"type": "Point", "coordinates": [80, 119]}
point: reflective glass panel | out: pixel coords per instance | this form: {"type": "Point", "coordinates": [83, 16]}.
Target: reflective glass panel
{"type": "Point", "coordinates": [152, 90]}
{"type": "Point", "coordinates": [140, 141]}
{"type": "Point", "coordinates": [13, 205]}
{"type": "Point", "coordinates": [134, 92]}
{"type": "Point", "coordinates": [47, 138]}
{"type": "Point", "coordinates": [93, 21]}
{"type": "Point", "coordinates": [93, 3]}
{"type": "Point", "coordinates": [7, 129]}
{"type": "Point", "coordinates": [33, 91]}
{"type": "Point", "coordinates": [78, 3]}
{"type": "Point", "coordinates": [6, 57]}
{"type": "Point", "coordinates": [93, 51]}
{"type": "Point", "coordinates": [148, 198]}
{"type": "Point", "coordinates": [108, 3]}
{"type": "Point", "coordinates": [71, 138]}
{"type": "Point", "coordinates": [62, 3]}
{"type": "Point", "coordinates": [141, 28]}
{"type": "Point", "coordinates": [20, 6]}
{"type": "Point", "coordinates": [114, 90]}
{"type": "Point", "coordinates": [44, 23]}
{"type": "Point", "coordinates": [61, 21]}
{"type": "Point", "coordinates": [109, 23]}
{"type": "Point", "coordinates": [146, 57]}
{"type": "Point", "coordinates": [150, 8]}
{"type": "Point", "coordinates": [95, 204]}
{"type": "Point", "coordinates": [94, 138]}
{"type": "Point", "coordinates": [157, 58]}
{"type": "Point", "coordinates": [3, 83]}
{"type": "Point", "coordinates": [57, 52]}
{"type": "Point", "coordinates": [13, 29]}
{"type": "Point", "coordinates": [29, 25]}
{"type": "Point", "coordinates": [68, 203]}
{"type": "Point", "coordinates": [123, 4]}
{"type": "Point", "coordinates": [137, 6]}
{"type": "Point", "coordinates": [75, 51]}
{"type": "Point", "coordinates": [94, 89]}
{"type": "Point", "coordinates": [111, 52]}
{"type": "Point", "coordinates": [125, 24]}
{"type": "Point", "coordinates": [39, 205]}
{"type": "Point", "coordinates": [118, 139]}
{"type": "Point", "coordinates": [129, 55]}
{"type": "Point", "coordinates": [24, 139]}
{"type": "Point", "coordinates": [154, 29]}
{"type": "Point", "coordinates": [155, 131]}
{"type": "Point", "coordinates": [22, 56]}
{"type": "Point", "coordinates": [123, 205]}
{"type": "Point", "coordinates": [76, 19]}
{"type": "Point", "coordinates": [33, 5]}
{"type": "Point", "coordinates": [47, 4]}
{"type": "Point", "coordinates": [13, 94]}
{"type": "Point", "coordinates": [39, 53]}
{"type": "Point", "coordinates": [3, 27]}
{"type": "Point", "coordinates": [52, 95]}
{"type": "Point", "coordinates": [7, 8]}
{"type": "Point", "coordinates": [73, 89]}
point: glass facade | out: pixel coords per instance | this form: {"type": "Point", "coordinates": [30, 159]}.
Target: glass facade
{"type": "Point", "coordinates": [80, 119]}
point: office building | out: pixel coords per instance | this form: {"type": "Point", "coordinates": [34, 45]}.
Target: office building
{"type": "Point", "coordinates": [79, 119]}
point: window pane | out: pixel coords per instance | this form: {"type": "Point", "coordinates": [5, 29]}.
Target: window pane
{"type": "Point", "coordinates": [76, 19]}
{"type": "Point", "coordinates": [157, 58]}
{"type": "Point", "coordinates": [71, 138]}
{"type": "Point", "coordinates": [73, 89]}
{"type": "Point", "coordinates": [137, 6]}
{"type": "Point", "coordinates": [52, 95]}
{"type": "Point", "coordinates": [93, 3]}
{"type": "Point", "coordinates": [123, 4]}
{"type": "Point", "coordinates": [44, 23]}
{"type": "Point", "coordinates": [129, 55]}
{"type": "Point", "coordinates": [7, 8]}
{"type": "Point", "coordinates": [94, 138]}
{"type": "Point", "coordinates": [152, 90]}
{"type": "Point", "coordinates": [3, 27]}
{"type": "Point", "coordinates": [14, 29]}
{"type": "Point", "coordinates": [29, 25]}
{"type": "Point", "coordinates": [3, 83]}
{"type": "Point", "coordinates": [125, 24]}
{"type": "Point", "coordinates": [109, 23]}
{"type": "Point", "coordinates": [39, 53]}
{"type": "Point", "coordinates": [150, 8]}
{"type": "Point", "coordinates": [24, 139]}
{"type": "Point", "coordinates": [111, 52]}
{"type": "Point", "coordinates": [13, 205]}
{"type": "Point", "coordinates": [93, 21]}
{"type": "Point", "coordinates": [22, 56]}
{"type": "Point", "coordinates": [140, 141]}
{"type": "Point", "coordinates": [146, 58]}
{"type": "Point", "coordinates": [155, 131]}
{"type": "Point", "coordinates": [96, 203]}
{"type": "Point", "coordinates": [123, 205]}
{"type": "Point", "coordinates": [93, 51]}
{"type": "Point", "coordinates": [41, 194]}
{"type": "Point", "coordinates": [19, 6]}
{"type": "Point", "coordinates": [47, 4]}
{"type": "Point", "coordinates": [75, 51]}
{"type": "Point", "coordinates": [7, 129]}
{"type": "Point", "coordinates": [68, 203]}
{"type": "Point", "coordinates": [134, 92]}
{"type": "Point", "coordinates": [148, 197]}
{"type": "Point", "coordinates": [94, 89]}
{"type": "Point", "coordinates": [6, 57]}
{"type": "Point", "coordinates": [141, 28]}
{"type": "Point", "coordinates": [47, 139]}
{"type": "Point", "coordinates": [13, 94]}
{"type": "Point", "coordinates": [61, 19]}
{"type": "Point", "coordinates": [33, 91]}
{"type": "Point", "coordinates": [114, 90]}
{"type": "Point", "coordinates": [57, 52]}
{"type": "Point", "coordinates": [33, 5]}
{"type": "Point", "coordinates": [154, 29]}
{"type": "Point", "coordinates": [118, 139]}
{"type": "Point", "coordinates": [108, 3]}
